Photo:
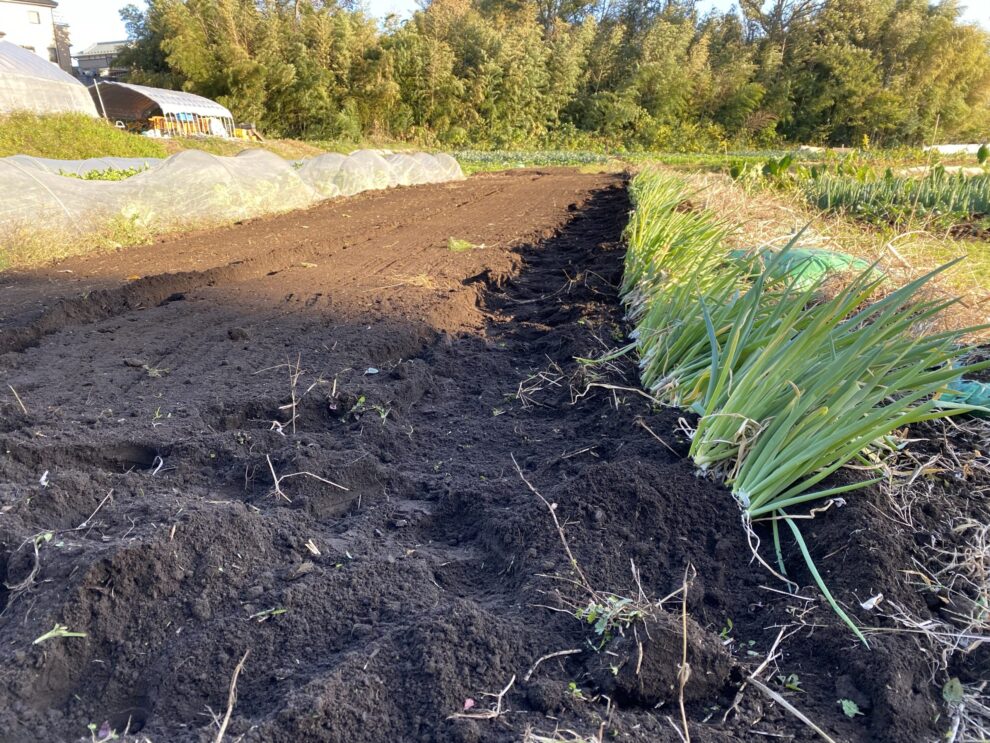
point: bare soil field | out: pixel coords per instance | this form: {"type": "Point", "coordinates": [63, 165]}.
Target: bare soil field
{"type": "Point", "coordinates": [294, 443]}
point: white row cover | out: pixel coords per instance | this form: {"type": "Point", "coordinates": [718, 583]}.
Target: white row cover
{"type": "Point", "coordinates": [83, 167]}
{"type": "Point", "coordinates": [955, 149]}
{"type": "Point", "coordinates": [193, 188]}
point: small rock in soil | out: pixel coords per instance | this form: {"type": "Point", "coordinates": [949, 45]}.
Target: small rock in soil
{"type": "Point", "coordinates": [303, 568]}
{"type": "Point", "coordinates": [201, 610]}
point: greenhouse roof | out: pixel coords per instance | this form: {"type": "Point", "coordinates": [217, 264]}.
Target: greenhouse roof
{"type": "Point", "coordinates": [15, 60]}
{"type": "Point", "coordinates": [134, 102]}
{"type": "Point", "coordinates": [30, 83]}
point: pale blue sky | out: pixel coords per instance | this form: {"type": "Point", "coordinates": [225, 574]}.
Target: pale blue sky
{"type": "Point", "coordinates": [97, 20]}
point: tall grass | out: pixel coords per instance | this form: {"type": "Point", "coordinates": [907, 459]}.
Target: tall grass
{"type": "Point", "coordinates": [790, 383]}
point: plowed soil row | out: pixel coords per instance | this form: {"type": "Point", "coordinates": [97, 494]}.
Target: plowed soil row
{"type": "Point", "coordinates": [297, 440]}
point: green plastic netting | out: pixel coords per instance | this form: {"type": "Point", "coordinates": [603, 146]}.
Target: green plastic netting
{"type": "Point", "coordinates": [970, 392]}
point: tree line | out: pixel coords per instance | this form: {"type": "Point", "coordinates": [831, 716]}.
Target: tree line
{"type": "Point", "coordinates": [640, 74]}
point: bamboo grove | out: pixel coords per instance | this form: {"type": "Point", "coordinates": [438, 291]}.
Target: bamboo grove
{"type": "Point", "coordinates": [637, 74]}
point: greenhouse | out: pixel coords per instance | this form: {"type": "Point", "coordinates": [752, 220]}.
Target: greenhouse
{"type": "Point", "coordinates": [29, 83]}
{"type": "Point", "coordinates": [168, 112]}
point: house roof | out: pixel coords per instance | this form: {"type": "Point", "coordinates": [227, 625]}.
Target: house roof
{"type": "Point", "coordinates": [102, 49]}
{"type": "Point", "coordinates": [135, 102]}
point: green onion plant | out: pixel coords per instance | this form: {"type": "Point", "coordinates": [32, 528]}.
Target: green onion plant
{"type": "Point", "coordinates": [790, 384]}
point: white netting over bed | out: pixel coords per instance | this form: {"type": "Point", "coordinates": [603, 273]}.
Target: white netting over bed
{"type": "Point", "coordinates": [364, 170]}
{"type": "Point", "coordinates": [321, 173]}
{"type": "Point", "coordinates": [192, 188]}
{"type": "Point", "coordinates": [408, 170]}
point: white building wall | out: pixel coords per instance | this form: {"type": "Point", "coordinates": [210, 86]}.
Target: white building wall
{"type": "Point", "coordinates": [16, 22]}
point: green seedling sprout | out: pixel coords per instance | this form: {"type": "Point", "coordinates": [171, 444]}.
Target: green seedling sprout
{"type": "Point", "coordinates": [59, 630]}
{"type": "Point", "coordinates": [456, 245]}
{"type": "Point", "coordinates": [849, 708]}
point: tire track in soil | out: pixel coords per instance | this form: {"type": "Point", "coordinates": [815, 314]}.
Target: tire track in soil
{"type": "Point", "coordinates": [429, 581]}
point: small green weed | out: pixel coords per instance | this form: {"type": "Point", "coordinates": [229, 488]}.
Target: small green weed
{"type": "Point", "coordinates": [727, 629]}
{"type": "Point", "coordinates": [101, 734]}
{"type": "Point", "coordinates": [849, 708]}
{"type": "Point", "coordinates": [59, 630]}
{"type": "Point", "coordinates": [455, 245]}
{"type": "Point", "coordinates": [358, 407]}
{"type": "Point", "coordinates": [952, 692]}
{"type": "Point", "coordinates": [611, 613]}
{"type": "Point", "coordinates": [575, 691]}
{"type": "Point", "coordinates": [382, 411]}
{"type": "Point", "coordinates": [791, 682]}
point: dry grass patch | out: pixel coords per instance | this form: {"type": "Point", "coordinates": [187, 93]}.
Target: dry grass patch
{"type": "Point", "coordinates": [30, 247]}
{"type": "Point", "coordinates": [288, 149]}
{"type": "Point", "coordinates": [421, 280]}
{"type": "Point", "coordinates": [772, 218]}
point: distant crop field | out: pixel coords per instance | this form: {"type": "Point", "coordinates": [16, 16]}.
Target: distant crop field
{"type": "Point", "coordinates": [937, 199]}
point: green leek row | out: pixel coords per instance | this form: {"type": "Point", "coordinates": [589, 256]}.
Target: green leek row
{"type": "Point", "coordinates": [790, 383]}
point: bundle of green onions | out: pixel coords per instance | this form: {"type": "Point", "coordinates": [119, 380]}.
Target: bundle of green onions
{"type": "Point", "coordinates": [667, 245]}
{"type": "Point", "coordinates": [790, 385]}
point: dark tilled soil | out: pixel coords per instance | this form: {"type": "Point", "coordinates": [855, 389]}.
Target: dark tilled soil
{"type": "Point", "coordinates": [976, 227]}
{"type": "Point", "coordinates": [295, 439]}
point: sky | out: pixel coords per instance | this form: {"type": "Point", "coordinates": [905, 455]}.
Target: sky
{"type": "Point", "coordinates": [98, 20]}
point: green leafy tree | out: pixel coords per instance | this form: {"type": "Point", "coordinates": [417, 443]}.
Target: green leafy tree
{"type": "Point", "coordinates": [634, 73]}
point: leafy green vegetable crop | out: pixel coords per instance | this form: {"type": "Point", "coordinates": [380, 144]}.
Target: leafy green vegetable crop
{"type": "Point", "coordinates": [110, 174]}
